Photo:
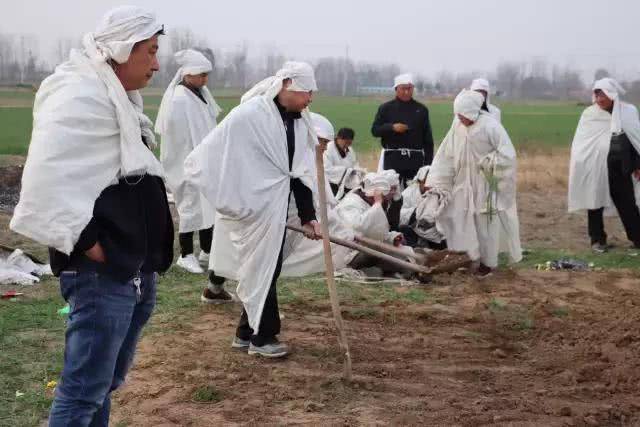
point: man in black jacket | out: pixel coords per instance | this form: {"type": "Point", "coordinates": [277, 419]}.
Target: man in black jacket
{"type": "Point", "coordinates": [91, 175]}
{"type": "Point", "coordinates": [405, 130]}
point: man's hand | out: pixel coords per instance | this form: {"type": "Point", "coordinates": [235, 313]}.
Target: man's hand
{"type": "Point", "coordinates": [400, 128]}
{"type": "Point", "coordinates": [312, 230]}
{"type": "Point", "coordinates": [636, 174]}
{"type": "Point", "coordinates": [96, 253]}
{"type": "Point", "coordinates": [398, 241]}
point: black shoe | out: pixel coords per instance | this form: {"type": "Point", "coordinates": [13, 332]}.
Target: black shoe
{"type": "Point", "coordinates": [210, 297]}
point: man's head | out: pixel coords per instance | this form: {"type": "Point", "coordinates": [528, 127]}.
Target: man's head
{"type": "Point", "coordinates": [138, 70]}
{"type": "Point", "coordinates": [345, 137]}
{"type": "Point", "coordinates": [481, 86]}
{"type": "Point", "coordinates": [606, 92]}
{"type": "Point", "coordinates": [127, 38]}
{"type": "Point", "coordinates": [294, 100]}
{"type": "Point", "coordinates": [197, 80]}
{"type": "Point", "coordinates": [403, 85]}
{"type": "Point", "coordinates": [467, 106]}
{"type": "Point", "coordinates": [603, 100]}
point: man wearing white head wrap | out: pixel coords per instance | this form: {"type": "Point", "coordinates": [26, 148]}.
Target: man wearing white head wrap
{"type": "Point", "coordinates": [405, 131]}
{"type": "Point", "coordinates": [476, 165]}
{"type": "Point", "coordinates": [247, 168]}
{"type": "Point", "coordinates": [92, 191]}
{"type": "Point", "coordinates": [605, 165]}
{"type": "Point", "coordinates": [186, 116]}
{"type": "Point", "coordinates": [482, 86]}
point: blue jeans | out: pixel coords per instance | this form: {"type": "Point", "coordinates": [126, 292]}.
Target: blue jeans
{"type": "Point", "coordinates": [105, 322]}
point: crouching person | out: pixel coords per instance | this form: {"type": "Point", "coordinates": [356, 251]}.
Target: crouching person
{"type": "Point", "coordinates": [92, 191]}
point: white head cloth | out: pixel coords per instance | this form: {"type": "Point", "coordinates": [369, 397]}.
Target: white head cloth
{"type": "Point", "coordinates": [422, 173]}
{"type": "Point", "coordinates": [613, 90]}
{"type": "Point", "coordinates": [191, 63]}
{"type": "Point", "coordinates": [322, 126]}
{"type": "Point", "coordinates": [468, 104]}
{"type": "Point", "coordinates": [381, 181]}
{"type": "Point", "coordinates": [118, 31]}
{"type": "Point", "coordinates": [480, 84]}
{"type": "Point", "coordinates": [300, 73]}
{"type": "Point", "coordinates": [403, 79]}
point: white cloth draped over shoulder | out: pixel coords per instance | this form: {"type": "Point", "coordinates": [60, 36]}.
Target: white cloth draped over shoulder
{"type": "Point", "coordinates": [242, 168]}
{"type": "Point", "coordinates": [183, 122]}
{"type": "Point", "coordinates": [411, 196]}
{"type": "Point", "coordinates": [476, 219]}
{"type": "Point", "coordinates": [87, 133]}
{"type": "Point", "coordinates": [588, 171]}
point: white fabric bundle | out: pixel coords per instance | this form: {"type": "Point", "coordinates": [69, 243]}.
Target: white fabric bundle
{"type": "Point", "coordinates": [468, 104]}
{"type": "Point", "coordinates": [403, 79]}
{"type": "Point", "coordinates": [87, 132]}
{"type": "Point", "coordinates": [242, 168]}
{"type": "Point", "coordinates": [430, 206]}
{"type": "Point", "coordinates": [191, 63]}
{"type": "Point", "coordinates": [588, 171]}
{"type": "Point", "coordinates": [322, 126]}
{"type": "Point", "coordinates": [364, 219]}
{"type": "Point", "coordinates": [483, 84]}
{"type": "Point", "coordinates": [183, 122]}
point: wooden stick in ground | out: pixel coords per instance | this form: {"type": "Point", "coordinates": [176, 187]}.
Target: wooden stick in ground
{"type": "Point", "coordinates": [369, 251]}
{"type": "Point", "coordinates": [328, 264]}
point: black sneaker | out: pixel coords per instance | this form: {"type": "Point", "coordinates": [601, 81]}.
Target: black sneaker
{"type": "Point", "coordinates": [483, 271]}
{"type": "Point", "coordinates": [210, 297]}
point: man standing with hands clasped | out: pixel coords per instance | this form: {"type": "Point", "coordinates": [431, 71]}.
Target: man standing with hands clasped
{"type": "Point", "coordinates": [405, 130]}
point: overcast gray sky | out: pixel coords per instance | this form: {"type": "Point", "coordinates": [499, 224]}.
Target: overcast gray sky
{"type": "Point", "coordinates": [422, 36]}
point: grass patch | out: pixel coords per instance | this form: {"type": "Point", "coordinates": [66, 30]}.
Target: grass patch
{"type": "Point", "coordinates": [560, 312]}
{"type": "Point", "coordinates": [206, 394]}
{"type": "Point", "coordinates": [614, 259]}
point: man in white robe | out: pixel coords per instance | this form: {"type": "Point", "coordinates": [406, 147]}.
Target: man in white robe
{"type": "Point", "coordinates": [476, 164]}
{"type": "Point", "coordinates": [482, 86]}
{"type": "Point", "coordinates": [341, 164]}
{"type": "Point", "coordinates": [605, 164]}
{"type": "Point", "coordinates": [92, 191]}
{"type": "Point", "coordinates": [247, 168]}
{"type": "Point", "coordinates": [186, 116]}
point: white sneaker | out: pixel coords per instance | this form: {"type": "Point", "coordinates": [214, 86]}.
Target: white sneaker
{"type": "Point", "coordinates": [203, 258]}
{"type": "Point", "coordinates": [190, 263]}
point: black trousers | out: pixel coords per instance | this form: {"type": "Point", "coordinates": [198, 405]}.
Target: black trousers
{"type": "Point", "coordinates": [412, 239]}
{"type": "Point", "coordinates": [622, 194]}
{"type": "Point", "coordinates": [270, 320]}
{"type": "Point", "coordinates": [186, 241]}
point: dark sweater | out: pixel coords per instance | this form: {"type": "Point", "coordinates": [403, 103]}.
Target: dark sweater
{"type": "Point", "coordinates": [132, 222]}
{"type": "Point", "coordinates": [301, 193]}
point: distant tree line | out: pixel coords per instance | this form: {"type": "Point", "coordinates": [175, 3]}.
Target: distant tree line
{"type": "Point", "coordinates": [21, 63]}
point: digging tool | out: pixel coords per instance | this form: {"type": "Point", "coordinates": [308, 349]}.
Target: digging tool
{"type": "Point", "coordinates": [328, 263]}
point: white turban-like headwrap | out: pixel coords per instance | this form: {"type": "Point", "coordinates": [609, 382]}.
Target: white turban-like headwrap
{"type": "Point", "coordinates": [301, 76]}
{"type": "Point", "coordinates": [191, 63]}
{"type": "Point", "coordinates": [380, 181]}
{"type": "Point", "coordinates": [322, 126]}
{"type": "Point", "coordinates": [468, 104]}
{"type": "Point", "coordinates": [613, 90]}
{"type": "Point", "coordinates": [403, 79]}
